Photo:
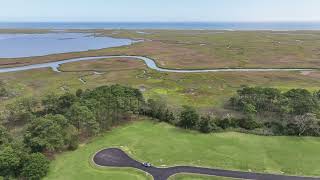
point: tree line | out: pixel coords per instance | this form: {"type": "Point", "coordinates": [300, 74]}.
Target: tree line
{"type": "Point", "coordinates": [296, 112]}
{"type": "Point", "coordinates": [189, 118]}
{"type": "Point", "coordinates": [58, 123]}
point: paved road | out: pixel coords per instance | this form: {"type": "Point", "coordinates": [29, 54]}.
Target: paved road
{"type": "Point", "coordinates": [114, 157]}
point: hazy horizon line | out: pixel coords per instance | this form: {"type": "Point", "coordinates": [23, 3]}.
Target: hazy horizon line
{"type": "Point", "coordinates": [289, 21]}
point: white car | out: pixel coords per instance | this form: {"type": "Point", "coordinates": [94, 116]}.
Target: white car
{"type": "Point", "coordinates": [146, 164]}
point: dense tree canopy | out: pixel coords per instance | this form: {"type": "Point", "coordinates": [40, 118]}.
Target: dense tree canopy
{"type": "Point", "coordinates": [257, 99]}
{"type": "Point", "coordinates": [47, 133]}
{"type": "Point", "coordinates": [21, 110]}
{"type": "Point", "coordinates": [5, 137]}
{"type": "Point", "coordinates": [301, 101]}
{"type": "Point", "coordinates": [83, 118]}
{"type": "Point", "coordinates": [55, 104]}
{"type": "Point", "coordinates": [297, 109]}
{"type": "Point", "coordinates": [10, 162]}
{"type": "Point", "coordinates": [35, 167]}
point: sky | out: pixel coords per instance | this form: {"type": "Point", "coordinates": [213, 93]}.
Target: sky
{"type": "Point", "coordinates": [159, 10]}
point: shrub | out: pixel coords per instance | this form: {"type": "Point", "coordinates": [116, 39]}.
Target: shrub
{"type": "Point", "coordinates": [207, 125]}
{"type": "Point", "coordinates": [227, 122]}
{"type": "Point", "coordinates": [306, 124]}
{"type": "Point", "coordinates": [35, 167]}
{"type": "Point", "coordinates": [5, 137]}
{"type": "Point", "coordinates": [74, 143]}
{"type": "Point", "coordinates": [10, 162]}
{"type": "Point", "coordinates": [249, 123]}
{"type": "Point", "coordinates": [189, 118]}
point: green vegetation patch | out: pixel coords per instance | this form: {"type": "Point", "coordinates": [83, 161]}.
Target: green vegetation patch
{"type": "Point", "coordinates": [164, 145]}
{"type": "Point", "coordinates": [205, 90]}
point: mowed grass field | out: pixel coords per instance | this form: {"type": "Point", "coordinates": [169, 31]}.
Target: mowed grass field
{"type": "Point", "coordinates": [164, 145]}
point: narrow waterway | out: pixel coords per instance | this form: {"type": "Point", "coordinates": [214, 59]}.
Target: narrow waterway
{"type": "Point", "coordinates": [150, 64]}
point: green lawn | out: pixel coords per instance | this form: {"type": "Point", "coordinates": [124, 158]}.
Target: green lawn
{"type": "Point", "coordinates": [165, 145]}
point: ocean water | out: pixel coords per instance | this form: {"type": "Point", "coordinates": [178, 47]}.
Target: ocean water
{"type": "Point", "coordinates": [162, 25]}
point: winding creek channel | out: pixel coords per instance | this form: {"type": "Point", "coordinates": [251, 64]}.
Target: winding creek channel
{"type": "Point", "coordinates": [150, 64]}
{"type": "Point", "coordinates": [30, 45]}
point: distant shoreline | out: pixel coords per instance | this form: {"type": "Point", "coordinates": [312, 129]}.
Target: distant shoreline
{"type": "Point", "coordinates": [226, 26]}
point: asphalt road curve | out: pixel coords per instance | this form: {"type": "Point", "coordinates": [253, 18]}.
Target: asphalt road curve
{"type": "Point", "coordinates": [114, 157]}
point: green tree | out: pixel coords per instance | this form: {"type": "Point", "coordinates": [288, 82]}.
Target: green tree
{"type": "Point", "coordinates": [46, 133]}
{"type": "Point", "coordinates": [227, 122]}
{"type": "Point", "coordinates": [79, 93]}
{"type": "Point", "coordinates": [263, 99]}
{"type": "Point", "coordinates": [65, 102]}
{"type": "Point", "coordinates": [207, 124]}
{"type": "Point", "coordinates": [54, 104]}
{"type": "Point", "coordinates": [169, 116]}
{"type": "Point", "coordinates": [189, 118]}
{"type": "Point", "coordinates": [301, 101]}
{"type": "Point", "coordinates": [50, 103]}
{"type": "Point", "coordinates": [110, 104]}
{"type": "Point", "coordinates": [5, 137]}
{"type": "Point", "coordinates": [249, 109]}
{"type": "Point", "coordinates": [22, 110]}
{"type": "Point", "coordinates": [306, 124]}
{"type": "Point", "coordinates": [10, 162]}
{"type": "Point", "coordinates": [35, 167]}
{"type": "Point", "coordinates": [249, 123]}
{"type": "Point", "coordinates": [84, 119]}
{"type": "Point", "coordinates": [73, 142]}
{"type": "Point", "coordinates": [156, 109]}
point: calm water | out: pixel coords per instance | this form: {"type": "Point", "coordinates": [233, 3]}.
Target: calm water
{"type": "Point", "coordinates": [178, 25]}
{"type": "Point", "coordinates": [149, 62]}
{"type": "Point", "coordinates": [25, 45]}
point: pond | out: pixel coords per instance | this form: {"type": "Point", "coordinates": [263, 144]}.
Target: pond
{"type": "Point", "coordinates": [26, 45]}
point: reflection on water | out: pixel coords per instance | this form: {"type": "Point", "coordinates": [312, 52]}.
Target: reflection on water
{"type": "Point", "coordinates": [25, 45]}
